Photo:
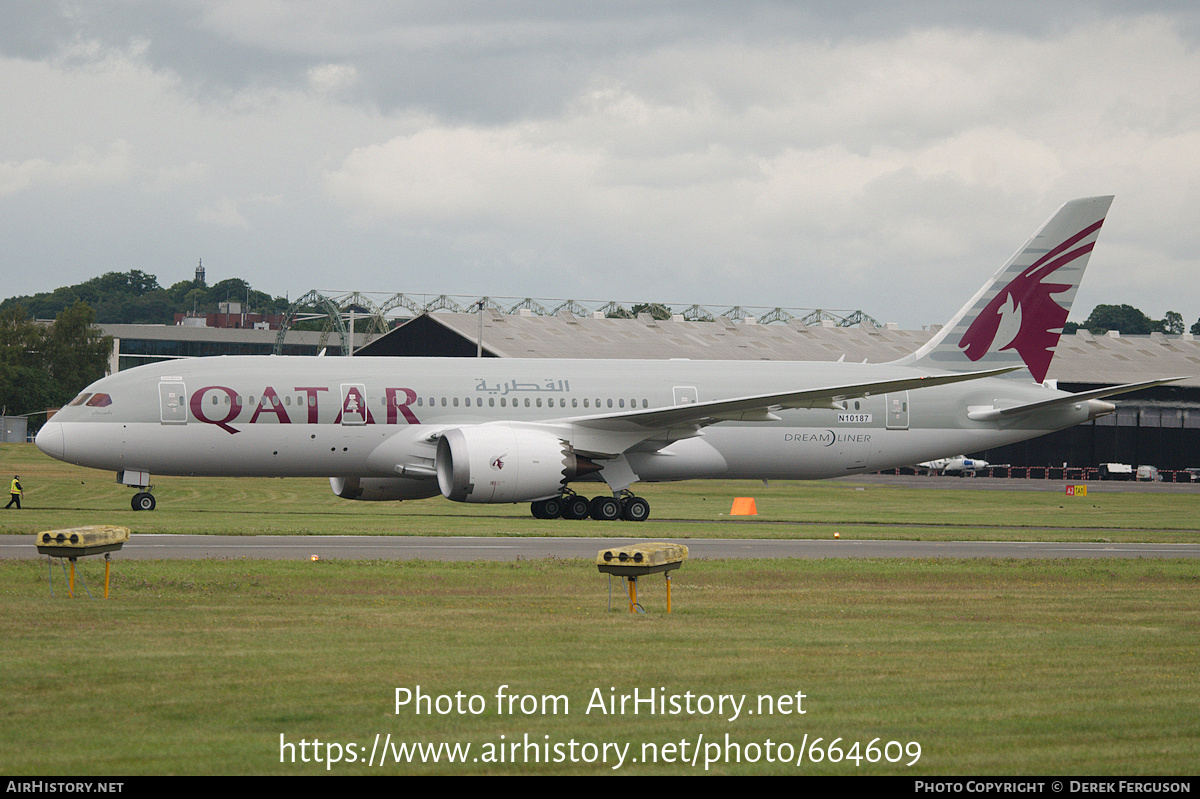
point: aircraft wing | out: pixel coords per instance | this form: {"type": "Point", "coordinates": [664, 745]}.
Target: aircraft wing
{"type": "Point", "coordinates": [758, 407]}
{"type": "Point", "coordinates": [996, 414]}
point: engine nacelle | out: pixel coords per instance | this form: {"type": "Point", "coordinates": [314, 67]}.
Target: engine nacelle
{"type": "Point", "coordinates": [383, 489]}
{"type": "Point", "coordinates": [502, 463]}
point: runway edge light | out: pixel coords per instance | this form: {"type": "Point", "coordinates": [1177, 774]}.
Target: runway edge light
{"type": "Point", "coordinates": [76, 542]}
{"type": "Point", "coordinates": [636, 560]}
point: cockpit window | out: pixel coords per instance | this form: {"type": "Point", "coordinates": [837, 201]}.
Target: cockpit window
{"type": "Point", "coordinates": [79, 400]}
{"type": "Point", "coordinates": [99, 401]}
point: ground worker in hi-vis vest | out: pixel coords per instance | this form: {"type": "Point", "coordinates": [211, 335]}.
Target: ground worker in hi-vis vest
{"type": "Point", "coordinates": [16, 492]}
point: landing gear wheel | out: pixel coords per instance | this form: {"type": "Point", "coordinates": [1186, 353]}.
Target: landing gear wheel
{"type": "Point", "coordinates": [635, 509]}
{"type": "Point", "coordinates": [547, 508]}
{"type": "Point", "coordinates": [576, 507]}
{"type": "Point", "coordinates": [605, 509]}
{"type": "Point", "coordinates": [142, 501]}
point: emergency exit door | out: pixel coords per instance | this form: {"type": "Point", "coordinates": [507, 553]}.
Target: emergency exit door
{"type": "Point", "coordinates": [897, 410]}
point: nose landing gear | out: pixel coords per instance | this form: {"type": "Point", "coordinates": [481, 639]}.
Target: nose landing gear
{"type": "Point", "coordinates": [142, 500]}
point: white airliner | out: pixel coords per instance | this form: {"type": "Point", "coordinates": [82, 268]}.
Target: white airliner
{"type": "Point", "coordinates": [504, 431]}
{"type": "Point", "coordinates": [962, 465]}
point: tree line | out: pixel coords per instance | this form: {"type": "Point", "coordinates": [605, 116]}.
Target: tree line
{"type": "Point", "coordinates": [136, 298]}
{"type": "Point", "coordinates": [1130, 321]}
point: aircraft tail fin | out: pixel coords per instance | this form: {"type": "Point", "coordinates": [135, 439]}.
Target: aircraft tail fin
{"type": "Point", "coordinates": [1018, 315]}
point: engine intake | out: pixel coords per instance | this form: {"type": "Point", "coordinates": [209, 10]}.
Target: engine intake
{"type": "Point", "coordinates": [503, 463]}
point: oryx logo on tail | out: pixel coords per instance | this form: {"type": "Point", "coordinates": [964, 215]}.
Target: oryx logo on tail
{"type": "Point", "coordinates": [1025, 312]}
{"type": "Point", "coordinates": [1018, 315]}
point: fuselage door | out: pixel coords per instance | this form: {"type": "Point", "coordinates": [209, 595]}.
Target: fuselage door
{"type": "Point", "coordinates": [172, 402]}
{"type": "Point", "coordinates": [686, 395]}
{"type": "Point", "coordinates": [354, 404]}
{"type": "Point", "coordinates": [897, 410]}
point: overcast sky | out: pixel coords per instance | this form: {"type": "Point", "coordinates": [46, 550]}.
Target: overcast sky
{"type": "Point", "coordinates": [875, 155]}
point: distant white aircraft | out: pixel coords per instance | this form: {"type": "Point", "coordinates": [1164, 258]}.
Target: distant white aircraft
{"type": "Point", "coordinates": [962, 465]}
{"type": "Point", "coordinates": [503, 431]}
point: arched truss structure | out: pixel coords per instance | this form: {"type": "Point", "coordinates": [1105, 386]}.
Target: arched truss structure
{"type": "Point", "coordinates": [839, 318]}
{"type": "Point", "coordinates": [336, 309]}
{"type": "Point", "coordinates": [334, 313]}
{"type": "Point", "coordinates": [572, 307]}
{"type": "Point", "coordinates": [313, 305]}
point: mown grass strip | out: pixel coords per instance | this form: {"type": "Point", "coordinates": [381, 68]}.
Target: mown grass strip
{"type": "Point", "coordinates": [993, 667]}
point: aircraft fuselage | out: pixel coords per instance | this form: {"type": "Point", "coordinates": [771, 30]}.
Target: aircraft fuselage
{"type": "Point", "coordinates": [347, 417]}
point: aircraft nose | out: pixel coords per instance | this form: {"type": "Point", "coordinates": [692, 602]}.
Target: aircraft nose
{"type": "Point", "coordinates": [50, 440]}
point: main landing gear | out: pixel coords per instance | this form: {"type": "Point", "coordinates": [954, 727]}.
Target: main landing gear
{"type": "Point", "coordinates": [606, 509]}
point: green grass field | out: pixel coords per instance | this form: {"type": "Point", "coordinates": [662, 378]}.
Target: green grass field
{"type": "Point", "coordinates": [243, 666]}
{"type": "Point", "coordinates": [61, 495]}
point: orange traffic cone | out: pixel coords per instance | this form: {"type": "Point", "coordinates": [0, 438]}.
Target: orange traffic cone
{"type": "Point", "coordinates": [743, 506]}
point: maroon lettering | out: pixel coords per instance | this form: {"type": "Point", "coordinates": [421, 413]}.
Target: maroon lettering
{"type": "Point", "coordinates": [354, 404]}
{"type": "Point", "coordinates": [197, 406]}
{"type": "Point", "coordinates": [311, 393]}
{"type": "Point", "coordinates": [271, 404]}
{"type": "Point", "coordinates": [399, 401]}
{"type": "Point", "coordinates": [394, 404]}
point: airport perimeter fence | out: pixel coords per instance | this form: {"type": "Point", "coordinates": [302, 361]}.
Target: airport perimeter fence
{"type": "Point", "coordinates": [1068, 473]}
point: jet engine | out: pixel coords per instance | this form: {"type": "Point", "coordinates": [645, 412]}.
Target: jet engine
{"type": "Point", "coordinates": [383, 489]}
{"type": "Point", "coordinates": [503, 463]}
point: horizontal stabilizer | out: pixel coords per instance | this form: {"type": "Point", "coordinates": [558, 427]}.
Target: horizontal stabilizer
{"type": "Point", "coordinates": [996, 414]}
